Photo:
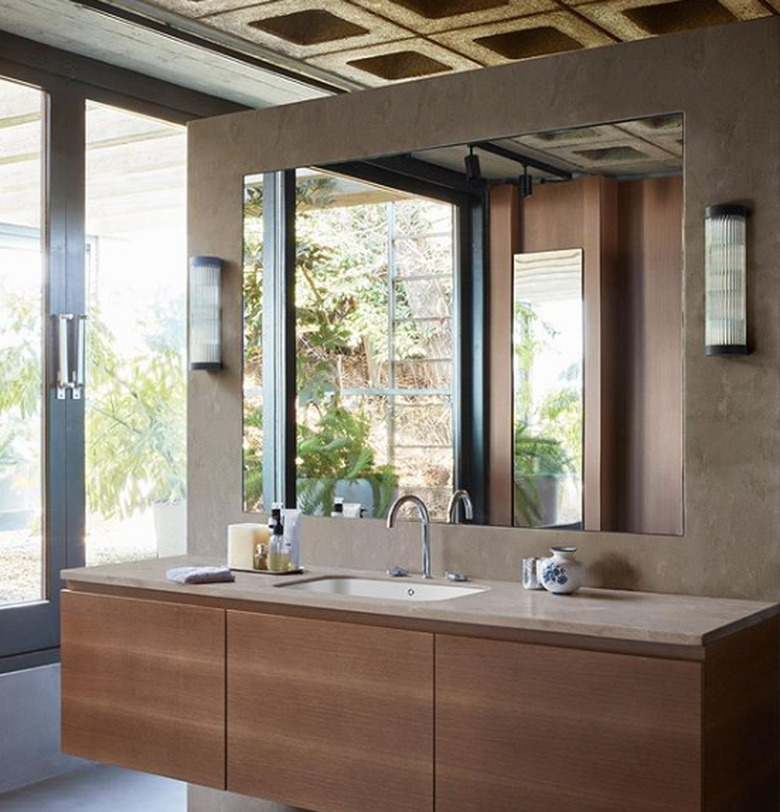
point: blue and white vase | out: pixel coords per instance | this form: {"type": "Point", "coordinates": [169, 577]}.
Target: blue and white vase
{"type": "Point", "coordinates": [562, 574]}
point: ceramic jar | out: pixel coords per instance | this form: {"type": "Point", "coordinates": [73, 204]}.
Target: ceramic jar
{"type": "Point", "coordinates": [561, 574]}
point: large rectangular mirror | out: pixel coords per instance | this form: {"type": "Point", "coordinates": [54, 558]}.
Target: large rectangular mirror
{"type": "Point", "coordinates": [358, 303]}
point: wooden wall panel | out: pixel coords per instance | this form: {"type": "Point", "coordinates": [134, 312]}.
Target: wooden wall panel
{"type": "Point", "coordinates": [631, 235]}
{"type": "Point", "coordinates": [648, 354]}
{"type": "Point", "coordinates": [330, 716]}
{"type": "Point", "coordinates": [143, 685]}
{"type": "Point", "coordinates": [504, 244]}
{"type": "Point", "coordinates": [534, 728]}
{"type": "Point", "coordinates": [581, 214]}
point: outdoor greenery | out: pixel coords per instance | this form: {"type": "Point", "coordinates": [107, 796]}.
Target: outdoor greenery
{"type": "Point", "coordinates": [341, 344]}
{"type": "Point", "coordinates": [136, 445]}
{"type": "Point", "coordinates": [547, 434]}
{"type": "Point", "coordinates": [136, 431]}
{"type": "Point", "coordinates": [20, 384]}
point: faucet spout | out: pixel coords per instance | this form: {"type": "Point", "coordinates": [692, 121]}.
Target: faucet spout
{"type": "Point", "coordinates": [458, 496]}
{"type": "Point", "coordinates": [425, 521]}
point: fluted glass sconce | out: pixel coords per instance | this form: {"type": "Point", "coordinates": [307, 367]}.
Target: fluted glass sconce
{"type": "Point", "coordinates": [205, 349]}
{"type": "Point", "coordinates": [725, 292]}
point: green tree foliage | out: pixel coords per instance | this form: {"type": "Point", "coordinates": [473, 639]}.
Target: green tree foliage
{"type": "Point", "coordinates": [135, 419]}
{"type": "Point", "coordinates": [136, 430]}
{"type": "Point", "coordinates": [341, 331]}
{"type": "Point", "coordinates": [547, 435]}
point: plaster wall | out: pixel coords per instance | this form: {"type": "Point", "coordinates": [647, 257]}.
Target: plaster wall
{"type": "Point", "coordinates": [725, 80]}
{"type": "Point", "coordinates": [30, 728]}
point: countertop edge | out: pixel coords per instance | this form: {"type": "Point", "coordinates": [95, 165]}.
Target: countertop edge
{"type": "Point", "coordinates": [425, 612]}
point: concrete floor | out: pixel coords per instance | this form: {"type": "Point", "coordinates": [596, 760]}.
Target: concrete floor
{"type": "Point", "coordinates": [99, 789]}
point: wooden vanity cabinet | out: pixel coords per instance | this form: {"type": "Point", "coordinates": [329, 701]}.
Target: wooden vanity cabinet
{"type": "Point", "coordinates": [337, 716]}
{"type": "Point", "coordinates": [143, 685]}
{"type": "Point", "coordinates": [330, 716]}
{"type": "Point", "coordinates": [537, 728]}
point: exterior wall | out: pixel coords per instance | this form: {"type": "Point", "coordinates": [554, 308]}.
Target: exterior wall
{"type": "Point", "coordinates": [725, 81]}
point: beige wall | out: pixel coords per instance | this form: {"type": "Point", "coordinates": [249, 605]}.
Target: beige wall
{"type": "Point", "coordinates": [725, 81]}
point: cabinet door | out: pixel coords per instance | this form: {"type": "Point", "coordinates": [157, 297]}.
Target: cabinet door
{"type": "Point", "coordinates": [330, 716]}
{"type": "Point", "coordinates": [537, 728]}
{"type": "Point", "coordinates": [143, 685]}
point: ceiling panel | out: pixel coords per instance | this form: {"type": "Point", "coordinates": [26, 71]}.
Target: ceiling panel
{"type": "Point", "coordinates": [351, 43]}
{"type": "Point", "coordinates": [384, 41]}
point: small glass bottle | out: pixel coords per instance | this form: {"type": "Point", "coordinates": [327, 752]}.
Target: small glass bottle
{"type": "Point", "coordinates": [276, 549]}
{"type": "Point", "coordinates": [261, 557]}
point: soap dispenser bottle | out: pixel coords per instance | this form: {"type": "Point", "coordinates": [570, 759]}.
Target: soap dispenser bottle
{"type": "Point", "coordinates": [276, 554]}
{"type": "Point", "coordinates": [276, 542]}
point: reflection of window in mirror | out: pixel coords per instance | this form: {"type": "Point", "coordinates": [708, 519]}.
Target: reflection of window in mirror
{"type": "Point", "coordinates": [374, 292]}
{"type": "Point", "coordinates": [253, 342]}
{"type": "Point", "coordinates": [548, 378]}
{"type": "Point", "coordinates": [374, 283]}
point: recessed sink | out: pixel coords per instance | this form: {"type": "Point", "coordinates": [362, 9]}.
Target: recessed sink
{"type": "Point", "coordinates": [383, 590]}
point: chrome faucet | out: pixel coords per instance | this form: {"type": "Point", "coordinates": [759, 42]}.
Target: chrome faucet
{"type": "Point", "coordinates": [460, 495]}
{"type": "Point", "coordinates": [425, 520]}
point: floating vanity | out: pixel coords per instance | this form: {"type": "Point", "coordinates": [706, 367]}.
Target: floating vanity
{"type": "Point", "coordinates": [499, 699]}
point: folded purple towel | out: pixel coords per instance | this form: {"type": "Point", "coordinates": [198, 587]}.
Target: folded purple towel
{"type": "Point", "coordinates": [200, 575]}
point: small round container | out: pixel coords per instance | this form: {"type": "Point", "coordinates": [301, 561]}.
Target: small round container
{"type": "Point", "coordinates": [529, 573]}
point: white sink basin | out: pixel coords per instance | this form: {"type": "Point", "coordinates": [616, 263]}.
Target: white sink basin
{"type": "Point", "coordinates": [400, 590]}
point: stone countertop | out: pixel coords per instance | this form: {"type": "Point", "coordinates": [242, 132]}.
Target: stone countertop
{"type": "Point", "coordinates": [647, 617]}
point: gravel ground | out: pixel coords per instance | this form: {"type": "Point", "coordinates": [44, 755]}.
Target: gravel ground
{"type": "Point", "coordinates": [107, 542]}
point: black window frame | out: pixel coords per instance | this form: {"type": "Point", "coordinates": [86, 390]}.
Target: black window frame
{"type": "Point", "coordinates": [471, 297]}
{"type": "Point", "coordinates": [29, 633]}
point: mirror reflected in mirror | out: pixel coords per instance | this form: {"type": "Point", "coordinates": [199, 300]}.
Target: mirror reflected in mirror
{"type": "Point", "coordinates": [547, 355]}
{"type": "Point", "coordinates": [359, 309]}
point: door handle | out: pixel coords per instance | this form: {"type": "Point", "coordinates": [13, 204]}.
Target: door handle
{"type": "Point", "coordinates": [79, 374]}
{"type": "Point", "coordinates": [71, 368]}
{"type": "Point", "coordinates": [63, 382]}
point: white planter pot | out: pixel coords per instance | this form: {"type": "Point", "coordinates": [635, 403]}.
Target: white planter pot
{"type": "Point", "coordinates": [170, 528]}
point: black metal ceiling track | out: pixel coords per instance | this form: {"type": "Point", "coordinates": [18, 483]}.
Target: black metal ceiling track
{"type": "Point", "coordinates": [523, 160]}
{"type": "Point", "coordinates": [206, 44]}
{"type": "Point", "coordinates": [409, 174]}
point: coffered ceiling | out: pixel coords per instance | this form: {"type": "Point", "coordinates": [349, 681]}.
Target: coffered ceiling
{"type": "Point", "coordinates": [375, 42]}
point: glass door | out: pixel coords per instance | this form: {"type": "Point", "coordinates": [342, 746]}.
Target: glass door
{"type": "Point", "coordinates": [136, 281]}
{"type": "Point", "coordinates": [33, 416]}
{"type": "Point", "coordinates": [22, 323]}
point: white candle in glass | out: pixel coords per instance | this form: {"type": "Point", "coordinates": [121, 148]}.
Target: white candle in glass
{"type": "Point", "coordinates": [242, 543]}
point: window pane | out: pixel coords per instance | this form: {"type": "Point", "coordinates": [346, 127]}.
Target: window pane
{"type": "Point", "coordinates": [254, 225]}
{"type": "Point", "coordinates": [136, 383]}
{"type": "Point", "coordinates": [21, 341]}
{"type": "Point", "coordinates": [374, 289]}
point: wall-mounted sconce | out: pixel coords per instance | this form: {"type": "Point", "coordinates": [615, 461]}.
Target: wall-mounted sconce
{"type": "Point", "coordinates": [725, 286]}
{"type": "Point", "coordinates": [205, 346]}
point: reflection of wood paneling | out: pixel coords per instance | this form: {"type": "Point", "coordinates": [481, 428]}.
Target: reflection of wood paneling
{"type": "Point", "coordinates": [581, 214]}
{"type": "Point", "coordinates": [631, 233]}
{"type": "Point", "coordinates": [504, 244]}
{"type": "Point", "coordinates": [648, 482]}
